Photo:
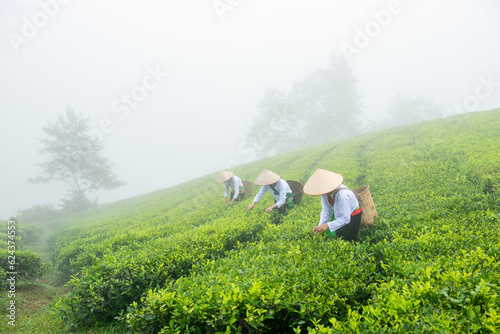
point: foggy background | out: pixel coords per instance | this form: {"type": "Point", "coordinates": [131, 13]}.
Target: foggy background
{"type": "Point", "coordinates": [220, 57]}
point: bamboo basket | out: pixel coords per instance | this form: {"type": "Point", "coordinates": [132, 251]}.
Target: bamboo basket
{"type": "Point", "coordinates": [248, 187]}
{"type": "Point", "coordinates": [369, 213]}
{"type": "Point", "coordinates": [297, 188]}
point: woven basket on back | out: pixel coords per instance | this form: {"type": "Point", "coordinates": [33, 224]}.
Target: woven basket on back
{"type": "Point", "coordinates": [369, 213]}
{"type": "Point", "coordinates": [297, 188]}
{"type": "Point", "coordinates": [248, 187]}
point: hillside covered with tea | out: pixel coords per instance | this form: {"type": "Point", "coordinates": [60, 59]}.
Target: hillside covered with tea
{"type": "Point", "coordinates": [179, 261]}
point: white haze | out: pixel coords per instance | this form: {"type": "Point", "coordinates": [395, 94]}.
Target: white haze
{"type": "Point", "coordinates": [194, 121]}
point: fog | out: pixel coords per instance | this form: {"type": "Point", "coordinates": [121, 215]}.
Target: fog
{"type": "Point", "coordinates": [171, 86]}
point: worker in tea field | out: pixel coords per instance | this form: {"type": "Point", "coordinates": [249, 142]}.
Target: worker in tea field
{"type": "Point", "coordinates": [283, 196]}
{"type": "Point", "coordinates": [340, 210]}
{"type": "Point", "coordinates": [232, 181]}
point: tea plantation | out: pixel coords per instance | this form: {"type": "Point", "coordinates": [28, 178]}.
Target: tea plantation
{"type": "Point", "coordinates": [179, 261]}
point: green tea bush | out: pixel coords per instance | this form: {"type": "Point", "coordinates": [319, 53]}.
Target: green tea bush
{"type": "Point", "coordinates": [28, 233]}
{"type": "Point", "coordinates": [101, 291]}
{"type": "Point", "coordinates": [178, 261]}
{"type": "Point", "coordinates": [269, 286]}
{"type": "Point", "coordinates": [70, 247]}
{"type": "Point", "coordinates": [27, 265]}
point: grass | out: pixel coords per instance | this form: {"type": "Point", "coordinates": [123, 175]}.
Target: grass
{"type": "Point", "coordinates": [35, 300]}
{"type": "Point", "coordinates": [35, 313]}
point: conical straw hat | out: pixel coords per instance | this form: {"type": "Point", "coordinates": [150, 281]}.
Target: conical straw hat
{"type": "Point", "coordinates": [224, 176]}
{"type": "Point", "coordinates": [266, 177]}
{"type": "Point", "coordinates": [322, 182]}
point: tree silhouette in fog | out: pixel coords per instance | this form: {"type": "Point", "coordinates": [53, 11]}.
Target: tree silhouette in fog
{"type": "Point", "coordinates": [75, 158]}
{"type": "Point", "coordinates": [324, 105]}
{"type": "Point", "coordinates": [405, 109]}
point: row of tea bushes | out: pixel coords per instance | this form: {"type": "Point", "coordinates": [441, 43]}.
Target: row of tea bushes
{"type": "Point", "coordinates": [442, 278]}
{"type": "Point", "coordinates": [104, 290]}
{"type": "Point", "coordinates": [436, 198]}
{"type": "Point", "coordinates": [70, 247]}
{"type": "Point", "coordinates": [26, 265]}
{"type": "Point", "coordinates": [268, 287]}
{"type": "Point", "coordinates": [434, 270]}
{"type": "Point", "coordinates": [16, 257]}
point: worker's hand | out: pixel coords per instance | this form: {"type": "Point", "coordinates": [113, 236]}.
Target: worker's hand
{"type": "Point", "coordinates": [320, 228]}
{"type": "Point", "coordinates": [269, 209]}
{"type": "Point", "coordinates": [224, 200]}
{"type": "Point", "coordinates": [232, 201]}
{"type": "Point", "coordinates": [250, 207]}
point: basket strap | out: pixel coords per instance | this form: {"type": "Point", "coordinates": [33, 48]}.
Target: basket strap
{"type": "Point", "coordinates": [276, 192]}
{"type": "Point", "coordinates": [339, 189]}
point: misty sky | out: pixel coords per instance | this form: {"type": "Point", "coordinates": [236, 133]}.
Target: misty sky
{"type": "Point", "coordinates": [175, 83]}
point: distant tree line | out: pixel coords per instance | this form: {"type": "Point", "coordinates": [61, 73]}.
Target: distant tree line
{"type": "Point", "coordinates": [406, 109]}
{"type": "Point", "coordinates": [38, 213]}
{"type": "Point", "coordinates": [323, 106]}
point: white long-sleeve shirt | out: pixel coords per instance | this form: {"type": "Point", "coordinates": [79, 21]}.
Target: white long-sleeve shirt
{"type": "Point", "coordinates": [235, 183]}
{"type": "Point", "coordinates": [345, 204]}
{"type": "Point", "coordinates": [281, 186]}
